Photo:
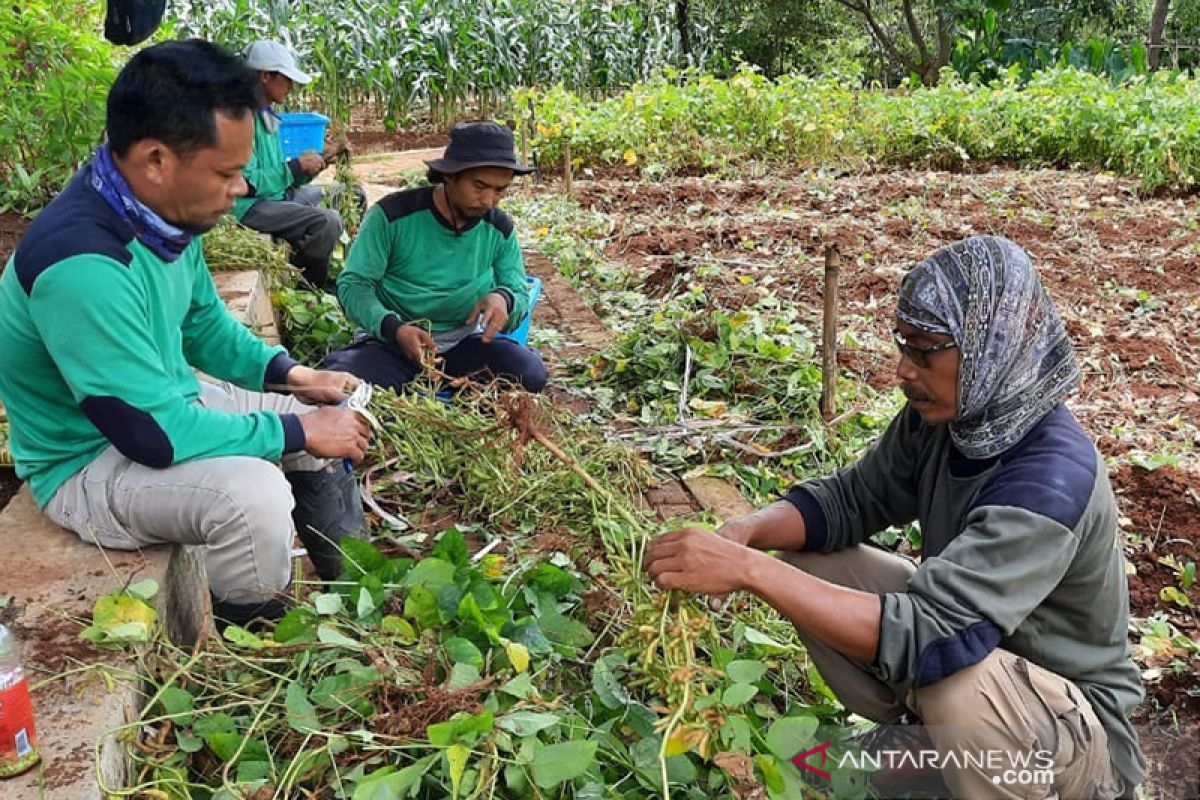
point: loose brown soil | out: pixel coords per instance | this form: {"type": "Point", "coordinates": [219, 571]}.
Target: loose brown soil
{"type": "Point", "coordinates": [12, 227]}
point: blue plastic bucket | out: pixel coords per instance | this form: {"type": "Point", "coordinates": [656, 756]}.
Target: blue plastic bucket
{"type": "Point", "coordinates": [521, 334]}
{"type": "Point", "coordinates": [300, 131]}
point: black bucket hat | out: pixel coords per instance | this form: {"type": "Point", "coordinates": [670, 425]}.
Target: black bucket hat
{"type": "Point", "coordinates": [479, 144]}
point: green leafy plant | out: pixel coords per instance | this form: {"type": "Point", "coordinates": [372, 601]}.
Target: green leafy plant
{"type": "Point", "coordinates": [313, 323]}
{"type": "Point", "coordinates": [55, 71]}
{"type": "Point", "coordinates": [1145, 128]}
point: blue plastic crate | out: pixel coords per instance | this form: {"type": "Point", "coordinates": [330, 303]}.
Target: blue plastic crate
{"type": "Point", "coordinates": [300, 131]}
{"type": "Point", "coordinates": [521, 334]}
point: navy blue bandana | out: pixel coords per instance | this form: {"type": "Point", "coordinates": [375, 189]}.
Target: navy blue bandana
{"type": "Point", "coordinates": [164, 239]}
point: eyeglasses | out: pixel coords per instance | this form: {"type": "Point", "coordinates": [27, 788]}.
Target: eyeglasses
{"type": "Point", "coordinates": [918, 355]}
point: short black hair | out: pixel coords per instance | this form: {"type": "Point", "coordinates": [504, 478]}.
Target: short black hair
{"type": "Point", "coordinates": [434, 177]}
{"type": "Point", "coordinates": [171, 92]}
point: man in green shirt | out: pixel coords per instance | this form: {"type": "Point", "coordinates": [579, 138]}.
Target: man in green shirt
{"type": "Point", "coordinates": [107, 309]}
{"type": "Point", "coordinates": [281, 199]}
{"type": "Point", "coordinates": [1009, 639]}
{"type": "Point", "coordinates": [438, 271]}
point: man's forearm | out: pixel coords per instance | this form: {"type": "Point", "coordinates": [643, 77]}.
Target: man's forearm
{"type": "Point", "coordinates": [778, 526]}
{"type": "Point", "coordinates": [845, 619]}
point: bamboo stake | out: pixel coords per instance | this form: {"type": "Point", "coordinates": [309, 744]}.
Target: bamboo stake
{"type": "Point", "coordinates": [833, 261]}
{"type": "Point", "coordinates": [567, 165]}
{"type": "Point", "coordinates": [528, 133]}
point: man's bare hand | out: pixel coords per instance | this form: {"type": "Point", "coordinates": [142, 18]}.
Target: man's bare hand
{"type": "Point", "coordinates": [336, 148]}
{"type": "Point", "coordinates": [739, 530]}
{"type": "Point", "coordinates": [320, 386]}
{"type": "Point", "coordinates": [332, 432]}
{"type": "Point", "coordinates": [414, 342]}
{"type": "Point", "coordinates": [495, 314]}
{"type": "Point", "coordinates": [311, 162]}
{"type": "Point", "coordinates": [698, 561]}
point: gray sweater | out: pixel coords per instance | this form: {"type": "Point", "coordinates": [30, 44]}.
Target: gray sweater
{"type": "Point", "coordinates": [1019, 552]}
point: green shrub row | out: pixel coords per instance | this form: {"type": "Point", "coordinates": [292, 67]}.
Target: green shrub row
{"type": "Point", "coordinates": [1147, 128]}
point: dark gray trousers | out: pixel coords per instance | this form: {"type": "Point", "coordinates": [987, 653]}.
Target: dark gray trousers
{"type": "Point", "coordinates": [300, 220]}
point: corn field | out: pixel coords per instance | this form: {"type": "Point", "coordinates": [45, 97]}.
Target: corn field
{"type": "Point", "coordinates": [442, 55]}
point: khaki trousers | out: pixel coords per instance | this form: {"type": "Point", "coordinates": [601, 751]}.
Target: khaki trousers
{"type": "Point", "coordinates": [1003, 704]}
{"type": "Point", "coordinates": [238, 507]}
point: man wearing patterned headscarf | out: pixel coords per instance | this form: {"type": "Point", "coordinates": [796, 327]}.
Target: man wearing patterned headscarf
{"type": "Point", "coordinates": [1008, 640]}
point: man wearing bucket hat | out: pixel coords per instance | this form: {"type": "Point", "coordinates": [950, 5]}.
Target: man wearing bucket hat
{"type": "Point", "coordinates": [282, 201]}
{"type": "Point", "coordinates": [438, 271]}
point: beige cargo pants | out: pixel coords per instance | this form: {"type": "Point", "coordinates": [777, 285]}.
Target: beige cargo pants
{"type": "Point", "coordinates": [1003, 704]}
{"type": "Point", "coordinates": [238, 507]}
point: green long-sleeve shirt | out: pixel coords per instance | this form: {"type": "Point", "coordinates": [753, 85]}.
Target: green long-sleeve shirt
{"type": "Point", "coordinates": [1019, 552]}
{"type": "Point", "coordinates": [268, 173]}
{"type": "Point", "coordinates": [98, 340]}
{"type": "Point", "coordinates": [409, 264]}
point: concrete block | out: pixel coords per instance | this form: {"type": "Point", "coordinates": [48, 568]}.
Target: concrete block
{"type": "Point", "coordinates": [54, 579]}
{"type": "Point", "coordinates": [247, 295]}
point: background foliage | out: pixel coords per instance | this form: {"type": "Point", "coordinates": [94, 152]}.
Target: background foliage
{"type": "Point", "coordinates": [55, 71]}
{"type": "Point", "coordinates": [1148, 127]}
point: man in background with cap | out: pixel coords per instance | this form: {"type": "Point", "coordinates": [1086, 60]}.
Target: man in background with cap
{"type": "Point", "coordinates": [281, 200]}
{"type": "Point", "coordinates": [438, 271]}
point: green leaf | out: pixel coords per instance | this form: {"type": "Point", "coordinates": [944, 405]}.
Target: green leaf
{"type": "Point", "coordinates": [564, 630]}
{"type": "Point", "coordinates": [119, 619]}
{"type": "Point", "coordinates": [327, 604]}
{"type": "Point", "coordinates": [745, 671]}
{"type": "Point", "coordinates": [432, 573]}
{"type": "Point", "coordinates": [361, 558]}
{"type": "Point", "coordinates": [738, 694]}
{"type": "Point", "coordinates": [528, 633]}
{"type": "Point", "coordinates": [519, 687]}
{"type": "Point", "coordinates": [463, 651]}
{"type": "Point", "coordinates": [790, 735]}
{"type": "Point", "coordinates": [460, 727]}
{"type": "Point", "coordinates": [452, 547]}
{"type": "Point", "coordinates": [223, 745]}
{"type": "Point", "coordinates": [527, 723]}
{"type": "Point", "coordinates": [143, 589]}
{"type": "Point", "coordinates": [772, 775]}
{"type": "Point", "coordinates": [243, 638]}
{"type": "Point", "coordinates": [336, 691]}
{"type": "Point", "coordinates": [518, 655]}
{"type": "Point", "coordinates": [387, 784]}
{"type": "Point", "coordinates": [249, 770]}
{"type": "Point", "coordinates": [365, 605]}
{"type": "Point", "coordinates": [187, 742]}
{"type": "Point", "coordinates": [555, 580]}
{"type": "Point", "coordinates": [736, 734]}
{"type": "Point", "coordinates": [556, 763]}
{"type": "Point", "coordinates": [327, 634]}
{"type": "Point", "coordinates": [301, 714]}
{"type": "Point", "coordinates": [421, 607]}
{"type": "Point", "coordinates": [214, 723]}
{"type": "Point", "coordinates": [297, 625]}
{"type": "Point", "coordinates": [400, 628]}
{"type": "Point", "coordinates": [456, 761]}
{"type": "Point", "coordinates": [606, 681]}
{"type": "Point", "coordinates": [765, 642]}
{"type": "Point", "coordinates": [463, 675]}
{"type": "Point", "coordinates": [178, 704]}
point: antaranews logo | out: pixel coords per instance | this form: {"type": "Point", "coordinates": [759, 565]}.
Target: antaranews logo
{"type": "Point", "coordinates": [910, 764]}
{"type": "Point", "coordinates": [802, 763]}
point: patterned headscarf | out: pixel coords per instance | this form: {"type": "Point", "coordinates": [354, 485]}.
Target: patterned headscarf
{"type": "Point", "coordinates": [1015, 360]}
